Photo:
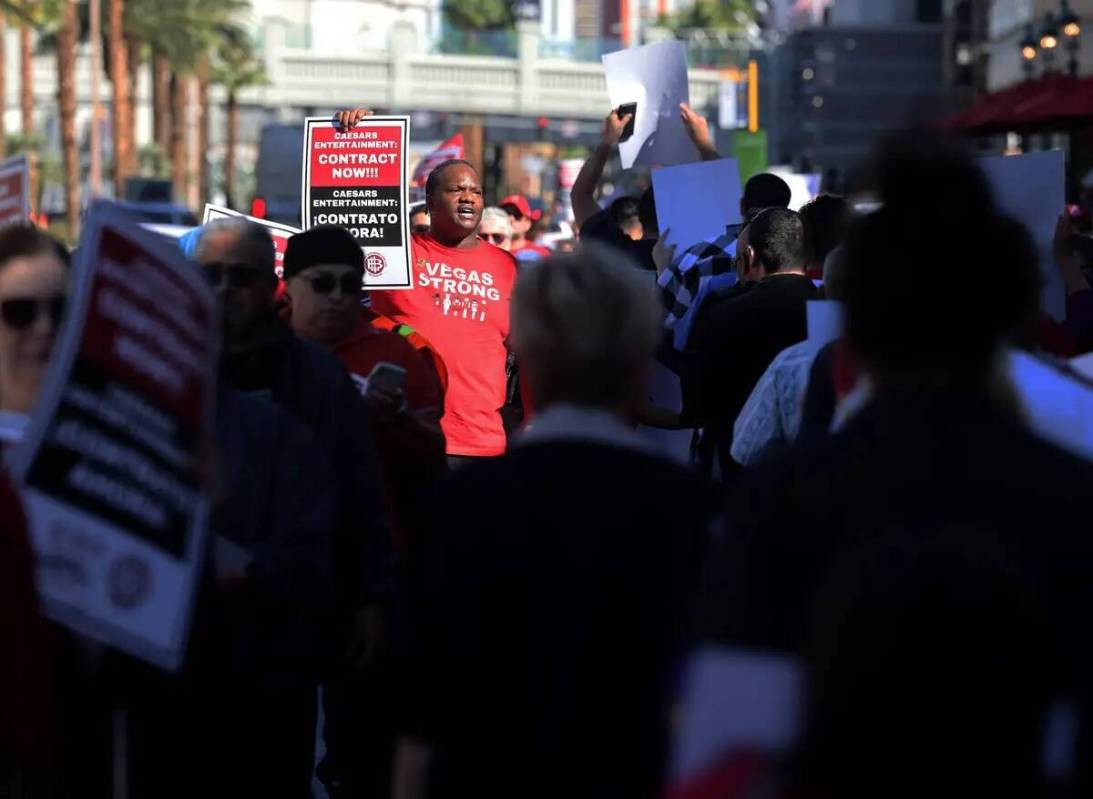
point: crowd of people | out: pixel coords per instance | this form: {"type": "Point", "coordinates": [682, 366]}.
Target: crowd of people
{"type": "Point", "coordinates": [445, 559]}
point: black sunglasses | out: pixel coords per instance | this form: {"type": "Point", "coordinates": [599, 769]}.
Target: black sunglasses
{"type": "Point", "coordinates": [419, 229]}
{"type": "Point", "coordinates": [495, 238]}
{"type": "Point", "coordinates": [240, 276]}
{"type": "Point", "coordinates": [20, 313]}
{"type": "Point", "coordinates": [325, 283]}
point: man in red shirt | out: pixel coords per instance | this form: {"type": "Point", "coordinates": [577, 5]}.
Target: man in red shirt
{"type": "Point", "coordinates": [522, 217]}
{"type": "Point", "coordinates": [460, 303]}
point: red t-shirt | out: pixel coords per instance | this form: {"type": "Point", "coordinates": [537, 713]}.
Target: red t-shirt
{"type": "Point", "coordinates": [368, 346]}
{"type": "Point", "coordinates": [460, 303]}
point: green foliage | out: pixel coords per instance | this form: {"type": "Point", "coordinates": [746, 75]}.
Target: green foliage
{"type": "Point", "coordinates": [153, 162]}
{"type": "Point", "coordinates": [470, 15]}
{"type": "Point", "coordinates": [183, 30]}
{"type": "Point", "coordinates": [712, 16]}
{"type": "Point", "coordinates": [235, 64]}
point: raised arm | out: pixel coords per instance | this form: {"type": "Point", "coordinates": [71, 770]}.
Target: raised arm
{"type": "Point", "coordinates": [699, 131]}
{"type": "Point", "coordinates": [584, 188]}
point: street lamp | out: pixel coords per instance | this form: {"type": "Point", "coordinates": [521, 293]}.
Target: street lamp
{"type": "Point", "coordinates": [1049, 40]}
{"type": "Point", "coordinates": [1028, 51]}
{"type": "Point", "coordinates": [1071, 25]}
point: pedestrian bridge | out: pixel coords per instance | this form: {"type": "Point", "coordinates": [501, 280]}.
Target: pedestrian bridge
{"type": "Point", "coordinates": [402, 79]}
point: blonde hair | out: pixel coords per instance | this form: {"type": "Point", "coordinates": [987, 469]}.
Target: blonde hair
{"type": "Point", "coordinates": [498, 219]}
{"type": "Point", "coordinates": [585, 327]}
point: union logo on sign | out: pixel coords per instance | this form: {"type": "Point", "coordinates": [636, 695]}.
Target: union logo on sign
{"type": "Point", "coordinates": [375, 264]}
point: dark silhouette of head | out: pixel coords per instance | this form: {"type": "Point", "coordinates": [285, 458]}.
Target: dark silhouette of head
{"type": "Point", "coordinates": [764, 191]}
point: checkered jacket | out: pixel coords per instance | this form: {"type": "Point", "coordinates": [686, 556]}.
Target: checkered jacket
{"type": "Point", "coordinates": [679, 283]}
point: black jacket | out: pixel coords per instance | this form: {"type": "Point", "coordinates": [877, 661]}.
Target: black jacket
{"type": "Point", "coordinates": [732, 343]}
{"type": "Point", "coordinates": [547, 606]}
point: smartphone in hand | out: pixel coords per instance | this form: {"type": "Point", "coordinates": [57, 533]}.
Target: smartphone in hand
{"type": "Point", "coordinates": [632, 110]}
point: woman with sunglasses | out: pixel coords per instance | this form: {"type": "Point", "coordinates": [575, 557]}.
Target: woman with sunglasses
{"type": "Point", "coordinates": [33, 288]}
{"type": "Point", "coordinates": [496, 228]}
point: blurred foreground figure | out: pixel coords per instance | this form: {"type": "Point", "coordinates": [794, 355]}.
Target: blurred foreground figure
{"type": "Point", "coordinates": [33, 288]}
{"type": "Point", "coordinates": [944, 546]}
{"type": "Point", "coordinates": [550, 598]}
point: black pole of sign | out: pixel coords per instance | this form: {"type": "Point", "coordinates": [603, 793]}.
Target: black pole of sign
{"type": "Point", "coordinates": [120, 729]}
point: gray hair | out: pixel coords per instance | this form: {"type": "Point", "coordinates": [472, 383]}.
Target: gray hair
{"type": "Point", "coordinates": [252, 236]}
{"type": "Point", "coordinates": [498, 218]}
{"type": "Point", "coordinates": [585, 326]}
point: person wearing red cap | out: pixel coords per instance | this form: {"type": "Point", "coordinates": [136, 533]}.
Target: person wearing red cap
{"type": "Point", "coordinates": [516, 206]}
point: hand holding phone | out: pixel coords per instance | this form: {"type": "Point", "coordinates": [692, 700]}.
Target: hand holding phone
{"type": "Point", "coordinates": [624, 110]}
{"type": "Point", "coordinates": [387, 377]}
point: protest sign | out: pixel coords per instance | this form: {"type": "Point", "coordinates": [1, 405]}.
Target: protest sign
{"type": "Point", "coordinates": [699, 200]}
{"type": "Point", "coordinates": [278, 232]}
{"type": "Point", "coordinates": [110, 466]}
{"type": "Point", "coordinates": [734, 704]}
{"type": "Point", "coordinates": [1057, 405]}
{"type": "Point", "coordinates": [654, 77]}
{"type": "Point", "coordinates": [14, 191]}
{"type": "Point", "coordinates": [357, 179]}
{"type": "Point", "coordinates": [825, 320]}
{"type": "Point", "coordinates": [445, 151]}
{"type": "Point", "coordinates": [1031, 188]}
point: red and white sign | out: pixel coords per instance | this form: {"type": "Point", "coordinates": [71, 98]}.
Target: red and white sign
{"type": "Point", "coordinates": [356, 179]}
{"type": "Point", "coordinates": [111, 466]}
{"type": "Point", "coordinates": [279, 233]}
{"type": "Point", "coordinates": [14, 191]}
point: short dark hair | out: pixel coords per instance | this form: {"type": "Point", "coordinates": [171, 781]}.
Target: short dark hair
{"type": "Point", "coordinates": [419, 208]}
{"type": "Point", "coordinates": [827, 220]}
{"type": "Point", "coordinates": [624, 211]}
{"type": "Point", "coordinates": [647, 212]}
{"type": "Point", "coordinates": [778, 237]}
{"type": "Point", "coordinates": [433, 180]}
{"type": "Point", "coordinates": [24, 240]}
{"type": "Point", "coordinates": [766, 191]}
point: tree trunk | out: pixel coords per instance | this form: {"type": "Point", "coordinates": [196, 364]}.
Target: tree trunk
{"type": "Point", "coordinates": [26, 78]}
{"type": "Point", "coordinates": [26, 105]}
{"type": "Point", "coordinates": [202, 111]}
{"type": "Point", "coordinates": [3, 84]}
{"type": "Point", "coordinates": [122, 105]}
{"type": "Point", "coordinates": [134, 59]}
{"type": "Point", "coordinates": [66, 102]}
{"type": "Point", "coordinates": [161, 101]}
{"type": "Point", "coordinates": [178, 137]}
{"type": "Point", "coordinates": [229, 149]}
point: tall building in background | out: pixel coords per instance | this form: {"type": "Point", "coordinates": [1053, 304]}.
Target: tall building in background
{"type": "Point", "coordinates": [853, 72]}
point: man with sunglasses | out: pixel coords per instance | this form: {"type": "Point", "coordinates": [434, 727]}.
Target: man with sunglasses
{"type": "Point", "coordinates": [522, 219]}
{"type": "Point", "coordinates": [496, 228]}
{"type": "Point", "coordinates": [262, 357]}
{"type": "Point", "coordinates": [419, 219]}
{"type": "Point", "coordinates": [460, 303]}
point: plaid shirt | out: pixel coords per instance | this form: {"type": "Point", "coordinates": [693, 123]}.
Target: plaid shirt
{"type": "Point", "coordinates": [681, 281]}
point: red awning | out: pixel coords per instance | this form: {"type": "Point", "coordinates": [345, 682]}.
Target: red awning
{"type": "Point", "coordinates": [1053, 100]}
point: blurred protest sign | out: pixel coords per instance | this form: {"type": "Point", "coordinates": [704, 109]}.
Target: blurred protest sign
{"type": "Point", "coordinates": [1032, 189]}
{"type": "Point", "coordinates": [111, 464]}
{"type": "Point", "coordinates": [278, 232]}
{"type": "Point", "coordinates": [14, 190]}
{"type": "Point", "coordinates": [356, 179]}
{"type": "Point", "coordinates": [737, 707]}
{"type": "Point", "coordinates": [445, 151]}
{"type": "Point", "coordinates": [1058, 406]}
{"type": "Point", "coordinates": [696, 202]}
{"type": "Point", "coordinates": [750, 150]}
{"type": "Point", "coordinates": [654, 77]}
{"type": "Point", "coordinates": [825, 320]}
{"type": "Point", "coordinates": [803, 187]}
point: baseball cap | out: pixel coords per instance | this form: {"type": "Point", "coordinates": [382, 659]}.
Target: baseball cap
{"type": "Point", "coordinates": [323, 244]}
{"type": "Point", "coordinates": [520, 203]}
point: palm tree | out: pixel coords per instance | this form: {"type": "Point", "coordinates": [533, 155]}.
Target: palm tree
{"type": "Point", "coordinates": [67, 37]}
{"type": "Point", "coordinates": [236, 67]}
{"type": "Point", "coordinates": [3, 82]}
{"type": "Point", "coordinates": [122, 105]}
